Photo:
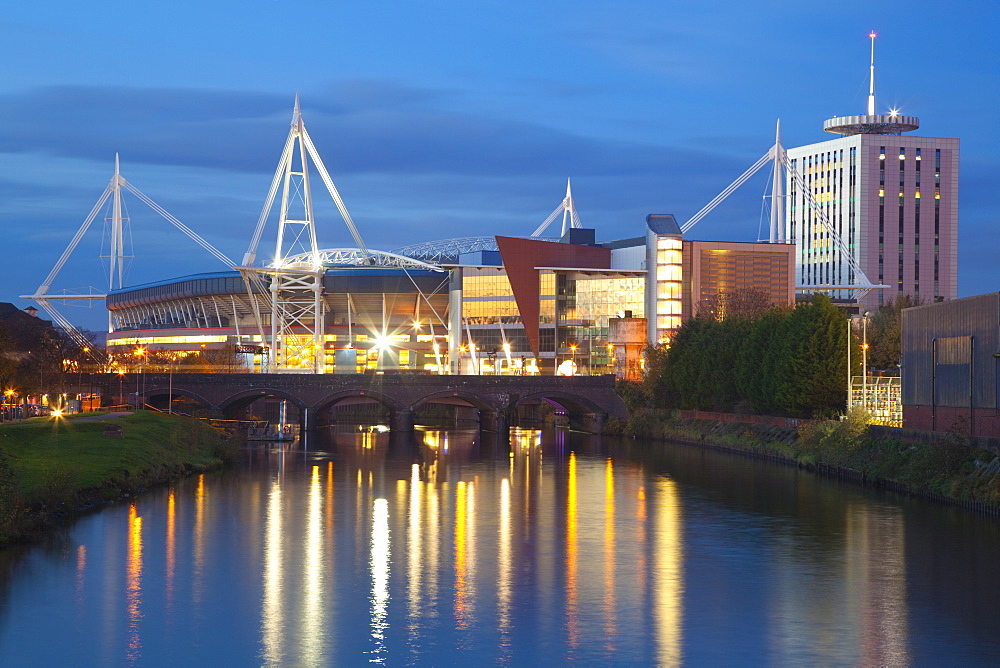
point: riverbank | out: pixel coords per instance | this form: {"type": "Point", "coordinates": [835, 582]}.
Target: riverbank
{"type": "Point", "coordinates": [951, 470]}
{"type": "Point", "coordinates": [53, 468]}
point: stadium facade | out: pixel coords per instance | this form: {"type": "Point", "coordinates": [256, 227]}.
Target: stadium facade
{"type": "Point", "coordinates": [484, 305]}
{"type": "Point", "coordinates": [499, 305]}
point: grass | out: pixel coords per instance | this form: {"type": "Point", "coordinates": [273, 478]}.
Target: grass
{"type": "Point", "coordinates": [53, 466]}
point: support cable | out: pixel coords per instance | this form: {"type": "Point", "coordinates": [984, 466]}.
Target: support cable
{"type": "Point", "coordinates": [764, 159]}
{"type": "Point", "coordinates": [178, 224]}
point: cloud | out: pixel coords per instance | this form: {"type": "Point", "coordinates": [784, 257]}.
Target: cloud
{"type": "Point", "coordinates": [356, 126]}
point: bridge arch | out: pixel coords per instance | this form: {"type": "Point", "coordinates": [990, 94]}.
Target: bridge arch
{"type": "Point", "coordinates": [455, 396]}
{"type": "Point", "coordinates": [567, 400]}
{"type": "Point", "coordinates": [149, 393]}
{"type": "Point", "coordinates": [394, 407]}
{"type": "Point", "coordinates": [231, 405]}
{"type": "Point", "coordinates": [580, 411]}
{"type": "Point", "coordinates": [487, 411]}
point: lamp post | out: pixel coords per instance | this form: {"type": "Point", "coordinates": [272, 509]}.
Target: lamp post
{"type": "Point", "coordinates": [170, 391]}
{"type": "Point", "coordinates": [572, 350]}
{"type": "Point", "coordinates": [8, 406]}
{"type": "Point", "coordinates": [850, 340]}
{"type": "Point", "coordinates": [139, 352]}
{"type": "Point", "coordinates": [864, 361]}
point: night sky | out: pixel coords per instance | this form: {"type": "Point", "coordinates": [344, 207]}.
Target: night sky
{"type": "Point", "coordinates": [442, 119]}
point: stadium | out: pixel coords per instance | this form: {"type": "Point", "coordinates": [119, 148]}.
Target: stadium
{"type": "Point", "coordinates": [481, 305]}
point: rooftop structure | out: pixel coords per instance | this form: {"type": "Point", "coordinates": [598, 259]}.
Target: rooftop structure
{"type": "Point", "coordinates": [479, 305]}
{"type": "Point", "coordinates": [876, 204]}
{"type": "Point", "coordinates": [872, 123]}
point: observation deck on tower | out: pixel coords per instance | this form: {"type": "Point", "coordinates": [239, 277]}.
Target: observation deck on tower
{"type": "Point", "coordinates": [876, 124]}
{"type": "Point", "coordinates": [872, 123]}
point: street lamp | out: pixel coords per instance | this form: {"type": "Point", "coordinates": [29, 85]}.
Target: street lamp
{"type": "Point", "coordinates": [8, 406]}
{"type": "Point", "coordinates": [140, 353]}
{"type": "Point", "coordinates": [864, 361]}
{"type": "Point", "coordinates": [572, 350]}
{"type": "Point", "coordinates": [170, 391]}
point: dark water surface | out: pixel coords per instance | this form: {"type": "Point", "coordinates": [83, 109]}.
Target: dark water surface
{"type": "Point", "coordinates": [449, 549]}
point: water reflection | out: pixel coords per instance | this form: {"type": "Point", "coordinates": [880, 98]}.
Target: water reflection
{"type": "Point", "coordinates": [272, 613]}
{"type": "Point", "coordinates": [610, 622]}
{"type": "Point", "coordinates": [668, 579]}
{"type": "Point", "coordinates": [170, 548]}
{"type": "Point", "coordinates": [876, 560]}
{"type": "Point", "coordinates": [453, 548]}
{"type": "Point", "coordinates": [199, 542]}
{"type": "Point", "coordinates": [505, 570]}
{"type": "Point", "coordinates": [572, 623]}
{"type": "Point", "coordinates": [313, 624]}
{"type": "Point", "coordinates": [380, 580]}
{"type": "Point", "coordinates": [133, 585]}
{"type": "Point", "coordinates": [81, 569]}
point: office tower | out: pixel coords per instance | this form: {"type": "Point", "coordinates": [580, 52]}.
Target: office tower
{"type": "Point", "coordinates": [891, 199]}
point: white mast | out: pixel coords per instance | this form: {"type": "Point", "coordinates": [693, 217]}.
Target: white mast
{"type": "Point", "coordinates": [778, 190]}
{"type": "Point", "coordinates": [871, 76]}
{"type": "Point", "coordinates": [568, 210]}
{"type": "Point", "coordinates": [116, 259]}
{"type": "Point", "coordinates": [293, 279]}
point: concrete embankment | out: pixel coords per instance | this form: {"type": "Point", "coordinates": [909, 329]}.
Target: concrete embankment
{"type": "Point", "coordinates": [950, 468]}
{"type": "Point", "coordinates": [51, 469]}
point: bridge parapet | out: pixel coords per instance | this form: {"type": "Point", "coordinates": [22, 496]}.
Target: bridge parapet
{"type": "Point", "coordinates": [400, 393]}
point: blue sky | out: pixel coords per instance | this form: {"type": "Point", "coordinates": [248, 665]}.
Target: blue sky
{"type": "Point", "coordinates": [442, 119]}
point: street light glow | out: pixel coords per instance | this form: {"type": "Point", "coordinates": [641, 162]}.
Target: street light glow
{"type": "Point", "coordinates": [382, 342]}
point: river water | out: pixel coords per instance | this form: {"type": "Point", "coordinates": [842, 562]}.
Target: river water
{"type": "Point", "coordinates": [448, 548]}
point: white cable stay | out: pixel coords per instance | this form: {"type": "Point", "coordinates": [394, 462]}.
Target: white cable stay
{"type": "Point", "coordinates": [860, 277]}
{"type": "Point", "coordinates": [298, 133]}
{"type": "Point", "coordinates": [78, 338]}
{"type": "Point", "coordinates": [194, 236]}
{"type": "Point", "coordinates": [777, 154]}
{"type": "Point", "coordinates": [567, 208]}
{"type": "Point", "coordinates": [47, 283]}
{"type": "Point", "coordinates": [251, 253]}
{"type": "Point", "coordinates": [740, 180]}
{"type": "Point", "coordinates": [42, 296]}
{"type": "Point", "coordinates": [332, 189]}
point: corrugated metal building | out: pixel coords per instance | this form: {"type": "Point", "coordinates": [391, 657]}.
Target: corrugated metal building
{"type": "Point", "coordinates": [951, 355]}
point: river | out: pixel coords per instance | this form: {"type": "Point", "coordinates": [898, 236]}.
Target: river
{"type": "Point", "coordinates": [563, 548]}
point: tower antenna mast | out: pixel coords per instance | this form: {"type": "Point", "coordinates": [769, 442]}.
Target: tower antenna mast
{"type": "Point", "coordinates": [871, 76]}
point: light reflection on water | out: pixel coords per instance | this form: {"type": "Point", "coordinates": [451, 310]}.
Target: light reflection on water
{"type": "Point", "coordinates": [451, 548]}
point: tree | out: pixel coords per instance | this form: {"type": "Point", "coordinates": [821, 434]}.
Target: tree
{"type": "Point", "coordinates": [225, 359]}
{"type": "Point", "coordinates": [740, 304]}
{"type": "Point", "coordinates": [756, 370]}
{"type": "Point", "coordinates": [813, 367]}
{"type": "Point", "coordinates": [885, 327]}
{"type": "Point", "coordinates": [10, 358]}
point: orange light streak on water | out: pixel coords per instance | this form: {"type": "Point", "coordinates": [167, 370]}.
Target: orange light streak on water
{"type": "Point", "coordinates": [572, 620]}
{"type": "Point", "coordinates": [133, 586]}
{"type": "Point", "coordinates": [610, 620]}
{"type": "Point", "coordinates": [461, 585]}
{"type": "Point", "coordinates": [171, 555]}
{"type": "Point", "coordinates": [199, 541]}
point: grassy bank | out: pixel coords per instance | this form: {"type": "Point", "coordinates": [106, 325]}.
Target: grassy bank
{"type": "Point", "coordinates": [951, 469]}
{"type": "Point", "coordinates": [51, 468]}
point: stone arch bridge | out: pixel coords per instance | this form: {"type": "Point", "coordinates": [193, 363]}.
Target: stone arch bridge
{"type": "Point", "coordinates": [587, 400]}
